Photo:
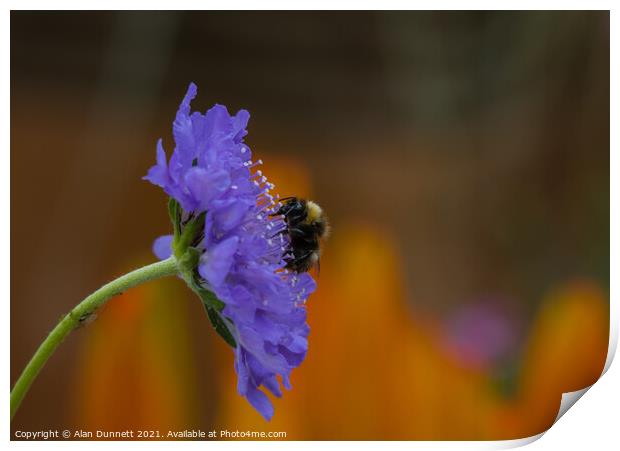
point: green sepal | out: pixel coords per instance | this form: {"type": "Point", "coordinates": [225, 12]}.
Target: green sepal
{"type": "Point", "coordinates": [188, 257]}
{"type": "Point", "coordinates": [211, 303]}
{"type": "Point", "coordinates": [191, 233]}
{"type": "Point", "coordinates": [210, 299]}
{"type": "Point", "coordinates": [220, 326]}
{"type": "Point", "coordinates": [174, 211]}
{"type": "Point", "coordinates": [188, 261]}
{"type": "Point", "coordinates": [214, 306]}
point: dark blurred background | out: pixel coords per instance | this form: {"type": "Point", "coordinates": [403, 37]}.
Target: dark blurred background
{"type": "Point", "coordinates": [466, 151]}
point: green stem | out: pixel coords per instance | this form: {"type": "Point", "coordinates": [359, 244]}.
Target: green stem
{"type": "Point", "coordinates": [80, 313]}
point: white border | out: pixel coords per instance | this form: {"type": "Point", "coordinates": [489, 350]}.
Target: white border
{"type": "Point", "coordinates": [594, 423]}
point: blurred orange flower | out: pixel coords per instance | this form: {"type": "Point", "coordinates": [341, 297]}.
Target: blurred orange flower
{"type": "Point", "coordinates": [135, 370]}
{"type": "Point", "coordinates": [376, 368]}
{"type": "Point", "coordinates": [566, 351]}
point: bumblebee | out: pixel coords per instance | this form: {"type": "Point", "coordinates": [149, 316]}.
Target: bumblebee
{"type": "Point", "coordinates": [306, 227]}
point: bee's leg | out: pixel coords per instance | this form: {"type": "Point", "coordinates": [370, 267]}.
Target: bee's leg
{"type": "Point", "coordinates": [303, 262]}
{"type": "Point", "coordinates": [281, 232]}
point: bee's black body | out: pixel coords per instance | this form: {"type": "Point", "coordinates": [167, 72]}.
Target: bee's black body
{"type": "Point", "coordinates": [306, 226]}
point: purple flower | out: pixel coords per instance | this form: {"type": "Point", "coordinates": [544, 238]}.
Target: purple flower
{"type": "Point", "coordinates": [483, 333]}
{"type": "Point", "coordinates": [242, 249]}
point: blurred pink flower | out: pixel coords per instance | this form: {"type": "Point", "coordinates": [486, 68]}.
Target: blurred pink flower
{"type": "Point", "coordinates": [483, 333]}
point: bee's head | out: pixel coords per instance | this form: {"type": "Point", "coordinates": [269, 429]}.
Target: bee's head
{"type": "Point", "coordinates": [292, 207]}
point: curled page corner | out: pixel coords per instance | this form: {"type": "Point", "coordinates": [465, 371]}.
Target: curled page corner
{"type": "Point", "coordinates": [517, 442]}
{"type": "Point", "coordinates": [568, 400]}
{"type": "Point", "coordinates": [613, 338]}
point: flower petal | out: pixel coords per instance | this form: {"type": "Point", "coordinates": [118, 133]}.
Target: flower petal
{"type": "Point", "coordinates": [240, 122]}
{"type": "Point", "coordinates": [162, 247]}
{"type": "Point", "coordinates": [205, 185]}
{"type": "Point", "coordinates": [182, 129]}
{"type": "Point", "coordinates": [271, 384]}
{"type": "Point", "coordinates": [216, 262]}
{"type": "Point", "coordinates": [158, 174]}
{"type": "Point", "coordinates": [260, 402]}
{"type": "Point", "coordinates": [230, 216]}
